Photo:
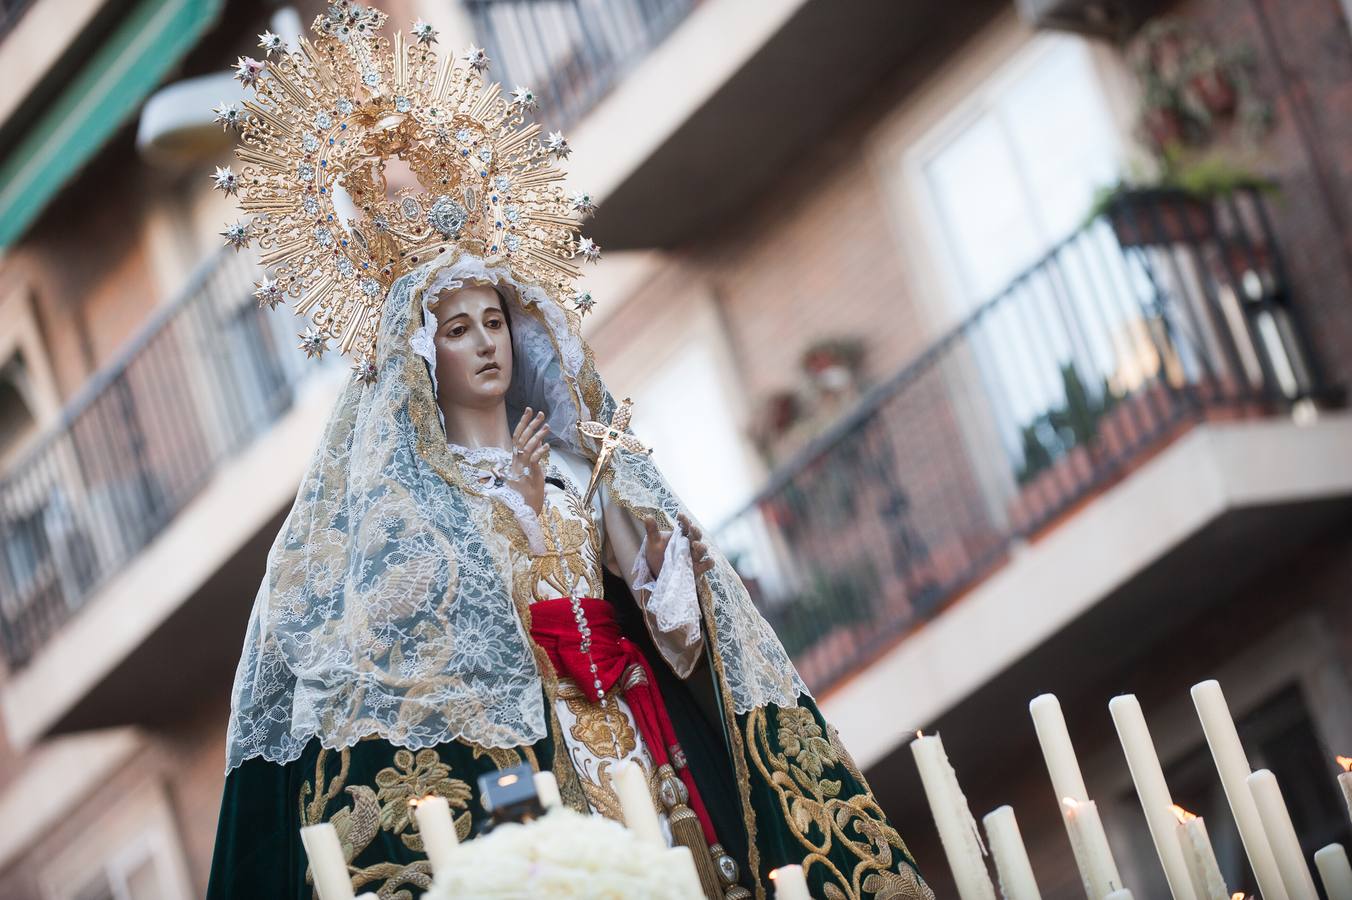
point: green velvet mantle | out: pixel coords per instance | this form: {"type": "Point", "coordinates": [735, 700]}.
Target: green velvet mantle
{"type": "Point", "coordinates": [778, 784]}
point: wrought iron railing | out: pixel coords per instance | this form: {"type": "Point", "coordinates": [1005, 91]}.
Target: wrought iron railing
{"type": "Point", "coordinates": [200, 381]}
{"type": "Point", "coordinates": [1164, 313]}
{"type": "Point", "coordinates": [570, 52]}
{"type": "Point", "coordinates": [10, 13]}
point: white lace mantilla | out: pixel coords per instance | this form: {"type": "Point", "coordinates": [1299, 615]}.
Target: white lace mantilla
{"type": "Point", "coordinates": [387, 606]}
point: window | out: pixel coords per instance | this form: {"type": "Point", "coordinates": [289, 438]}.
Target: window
{"type": "Point", "coordinates": [17, 422]}
{"type": "Point", "coordinates": [130, 854]}
{"type": "Point", "coordinates": [132, 874]}
{"type": "Point", "coordinates": [1017, 169]}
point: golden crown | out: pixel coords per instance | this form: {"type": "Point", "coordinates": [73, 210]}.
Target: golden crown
{"type": "Point", "coordinates": [324, 120]}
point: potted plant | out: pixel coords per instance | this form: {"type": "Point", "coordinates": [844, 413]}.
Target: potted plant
{"type": "Point", "coordinates": [1177, 207]}
{"type": "Point", "coordinates": [833, 364]}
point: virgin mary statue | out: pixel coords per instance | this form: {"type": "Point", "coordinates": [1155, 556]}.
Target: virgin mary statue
{"type": "Point", "coordinates": [482, 568]}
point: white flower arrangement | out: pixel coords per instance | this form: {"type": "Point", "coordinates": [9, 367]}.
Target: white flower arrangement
{"type": "Point", "coordinates": [566, 854]}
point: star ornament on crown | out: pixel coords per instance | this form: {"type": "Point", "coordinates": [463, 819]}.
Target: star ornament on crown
{"type": "Point", "coordinates": [323, 122]}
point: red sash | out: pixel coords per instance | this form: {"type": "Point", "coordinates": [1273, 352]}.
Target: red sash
{"type": "Point", "coordinates": [556, 631]}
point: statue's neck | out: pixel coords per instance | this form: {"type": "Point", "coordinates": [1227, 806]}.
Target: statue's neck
{"type": "Point", "coordinates": [475, 427]}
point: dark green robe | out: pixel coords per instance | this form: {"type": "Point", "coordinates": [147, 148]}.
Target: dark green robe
{"type": "Point", "coordinates": [778, 785]}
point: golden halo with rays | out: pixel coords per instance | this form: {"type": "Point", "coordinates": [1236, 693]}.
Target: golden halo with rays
{"type": "Point", "coordinates": [330, 114]}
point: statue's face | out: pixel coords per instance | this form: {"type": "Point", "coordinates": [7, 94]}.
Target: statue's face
{"type": "Point", "coordinates": [474, 347]}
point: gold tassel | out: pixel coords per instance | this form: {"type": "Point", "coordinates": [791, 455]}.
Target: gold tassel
{"type": "Point", "coordinates": [686, 831]}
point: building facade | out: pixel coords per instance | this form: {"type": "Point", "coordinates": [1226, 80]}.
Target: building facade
{"type": "Point", "coordinates": [972, 428]}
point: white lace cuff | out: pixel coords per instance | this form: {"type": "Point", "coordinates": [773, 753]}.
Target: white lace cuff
{"type": "Point", "coordinates": [525, 516]}
{"type": "Point", "coordinates": [673, 600]}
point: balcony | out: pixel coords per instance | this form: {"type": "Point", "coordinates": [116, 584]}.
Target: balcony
{"type": "Point", "coordinates": [666, 101]}
{"type": "Point", "coordinates": [1113, 426]}
{"type": "Point", "coordinates": [572, 52]}
{"type": "Point", "coordinates": [98, 547]}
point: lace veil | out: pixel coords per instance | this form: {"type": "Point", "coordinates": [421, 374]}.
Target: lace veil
{"type": "Point", "coordinates": [387, 608]}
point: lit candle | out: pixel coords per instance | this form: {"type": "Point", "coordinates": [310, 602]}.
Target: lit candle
{"type": "Point", "coordinates": [1203, 870]}
{"type": "Point", "coordinates": [547, 789]}
{"type": "Point", "coordinates": [636, 802]}
{"type": "Point", "coordinates": [1011, 856]}
{"type": "Point", "coordinates": [1345, 781]}
{"type": "Point", "coordinates": [1233, 767]}
{"type": "Point", "coordinates": [1100, 870]}
{"type": "Point", "coordinates": [1281, 835]}
{"type": "Point", "coordinates": [327, 862]}
{"type": "Point", "coordinates": [1334, 871]}
{"type": "Point", "coordinates": [1068, 783]}
{"type": "Point", "coordinates": [433, 815]}
{"type": "Point", "coordinates": [957, 828]}
{"type": "Point", "coordinates": [790, 883]}
{"type": "Point", "coordinates": [1153, 792]}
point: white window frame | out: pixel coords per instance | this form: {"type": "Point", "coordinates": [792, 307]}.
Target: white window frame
{"type": "Point", "coordinates": [139, 827]}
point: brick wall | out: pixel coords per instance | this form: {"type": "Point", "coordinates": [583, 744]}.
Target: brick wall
{"type": "Point", "coordinates": [1303, 56]}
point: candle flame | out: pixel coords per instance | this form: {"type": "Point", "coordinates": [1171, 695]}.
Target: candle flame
{"type": "Point", "coordinates": [1183, 816]}
{"type": "Point", "coordinates": [1345, 762]}
{"type": "Point", "coordinates": [1069, 802]}
{"type": "Point", "coordinates": [919, 735]}
{"type": "Point", "coordinates": [1237, 895]}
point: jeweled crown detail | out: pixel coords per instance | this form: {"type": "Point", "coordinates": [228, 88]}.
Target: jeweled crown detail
{"type": "Point", "coordinates": [325, 120]}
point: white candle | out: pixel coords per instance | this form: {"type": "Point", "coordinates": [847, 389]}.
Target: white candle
{"type": "Point", "coordinates": [1068, 783]}
{"type": "Point", "coordinates": [1281, 835]}
{"type": "Point", "coordinates": [1203, 870]}
{"type": "Point", "coordinates": [433, 815]}
{"type": "Point", "coordinates": [1233, 767]}
{"type": "Point", "coordinates": [685, 862]}
{"type": "Point", "coordinates": [547, 789]}
{"type": "Point", "coordinates": [1119, 894]}
{"type": "Point", "coordinates": [790, 883]}
{"type": "Point", "coordinates": [327, 862]}
{"type": "Point", "coordinates": [1153, 792]}
{"type": "Point", "coordinates": [957, 828]}
{"type": "Point", "coordinates": [1345, 781]}
{"type": "Point", "coordinates": [1011, 856]}
{"type": "Point", "coordinates": [1334, 871]}
{"type": "Point", "coordinates": [631, 786]}
{"type": "Point", "coordinates": [1100, 869]}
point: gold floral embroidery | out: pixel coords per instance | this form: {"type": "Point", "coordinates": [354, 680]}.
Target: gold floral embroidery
{"type": "Point", "coordinates": [801, 739]}
{"type": "Point", "coordinates": [593, 727]}
{"type": "Point", "coordinates": [831, 829]}
{"type": "Point", "coordinates": [567, 542]}
{"type": "Point", "coordinates": [601, 796]}
{"type": "Point", "coordinates": [410, 778]}
{"type": "Point", "coordinates": [386, 808]}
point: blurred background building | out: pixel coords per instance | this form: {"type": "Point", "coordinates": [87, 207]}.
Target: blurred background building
{"type": "Point", "coordinates": [971, 426]}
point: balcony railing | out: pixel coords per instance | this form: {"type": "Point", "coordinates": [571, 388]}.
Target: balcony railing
{"type": "Point", "coordinates": [570, 52]}
{"type": "Point", "coordinates": [10, 12]}
{"type": "Point", "coordinates": [1166, 313]}
{"type": "Point", "coordinates": [203, 379]}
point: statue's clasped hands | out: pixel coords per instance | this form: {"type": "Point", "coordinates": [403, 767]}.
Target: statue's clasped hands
{"type": "Point", "coordinates": [658, 539]}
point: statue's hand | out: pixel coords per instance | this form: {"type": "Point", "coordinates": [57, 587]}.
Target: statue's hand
{"type": "Point", "coordinates": [529, 451]}
{"type": "Point", "coordinates": [658, 539]}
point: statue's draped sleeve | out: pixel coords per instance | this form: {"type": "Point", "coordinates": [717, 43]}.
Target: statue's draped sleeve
{"type": "Point", "coordinates": [681, 646]}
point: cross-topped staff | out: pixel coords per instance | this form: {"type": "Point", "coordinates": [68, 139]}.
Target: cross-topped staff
{"type": "Point", "coordinates": [610, 436]}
